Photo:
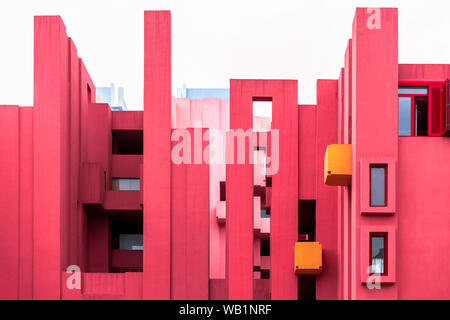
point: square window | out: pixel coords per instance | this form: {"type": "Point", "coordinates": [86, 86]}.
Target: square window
{"type": "Point", "coordinates": [378, 185]}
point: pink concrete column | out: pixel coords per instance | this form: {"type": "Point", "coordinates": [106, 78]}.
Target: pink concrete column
{"type": "Point", "coordinates": [307, 121]}
{"type": "Point", "coordinates": [26, 204]}
{"type": "Point", "coordinates": [50, 133]}
{"type": "Point", "coordinates": [284, 214]}
{"type": "Point", "coordinates": [190, 227]}
{"type": "Point", "coordinates": [326, 205]}
{"type": "Point", "coordinates": [374, 103]}
{"type": "Point", "coordinates": [340, 191]}
{"type": "Point", "coordinates": [347, 222]}
{"type": "Point", "coordinates": [157, 164]}
{"type": "Point", "coordinates": [9, 202]}
{"type": "Point", "coordinates": [239, 204]}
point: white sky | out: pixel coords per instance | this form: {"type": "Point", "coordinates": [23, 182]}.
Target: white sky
{"type": "Point", "coordinates": [213, 41]}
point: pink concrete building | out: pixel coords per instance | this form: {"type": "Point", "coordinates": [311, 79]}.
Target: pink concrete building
{"type": "Point", "coordinates": [345, 199]}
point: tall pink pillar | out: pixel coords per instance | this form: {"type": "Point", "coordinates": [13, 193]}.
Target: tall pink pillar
{"type": "Point", "coordinates": [50, 134]}
{"type": "Point", "coordinates": [190, 226]}
{"type": "Point", "coordinates": [326, 201]}
{"type": "Point", "coordinates": [347, 222]}
{"type": "Point", "coordinates": [374, 103]}
{"type": "Point", "coordinates": [284, 211]}
{"type": "Point", "coordinates": [239, 203]}
{"type": "Point", "coordinates": [157, 164]}
{"type": "Point", "coordinates": [9, 202]}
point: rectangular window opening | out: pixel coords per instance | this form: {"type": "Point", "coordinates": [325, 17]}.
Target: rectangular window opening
{"type": "Point", "coordinates": [420, 116]}
{"type": "Point", "coordinates": [262, 114]}
{"type": "Point", "coordinates": [404, 116]}
{"type": "Point", "coordinates": [378, 183]}
{"type": "Point", "coordinates": [378, 253]}
{"type": "Point", "coordinates": [223, 190]}
{"type": "Point", "coordinates": [89, 93]}
{"type": "Point", "coordinates": [128, 142]}
{"type": "Point", "coordinates": [126, 184]}
{"type": "Point", "coordinates": [127, 234]}
{"type": "Point", "coordinates": [413, 90]}
{"type": "Point", "coordinates": [422, 110]}
{"type": "Point", "coordinates": [131, 241]}
{"type": "Point", "coordinates": [265, 247]}
{"type": "Point", "coordinates": [265, 213]}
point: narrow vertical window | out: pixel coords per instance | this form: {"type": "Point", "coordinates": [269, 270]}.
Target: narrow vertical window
{"type": "Point", "coordinates": [404, 116]}
{"type": "Point", "coordinates": [89, 94]}
{"type": "Point", "coordinates": [378, 253]}
{"type": "Point", "coordinates": [421, 116]}
{"type": "Point", "coordinates": [378, 185]}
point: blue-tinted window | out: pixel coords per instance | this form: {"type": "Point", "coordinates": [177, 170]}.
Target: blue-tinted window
{"type": "Point", "coordinates": [404, 116]}
{"type": "Point", "coordinates": [126, 184]}
{"type": "Point", "coordinates": [413, 90]}
{"type": "Point", "coordinates": [131, 241]}
{"type": "Point", "coordinates": [378, 185]}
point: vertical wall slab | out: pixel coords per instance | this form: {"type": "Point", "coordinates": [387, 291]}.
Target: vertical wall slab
{"type": "Point", "coordinates": [326, 205]}
{"type": "Point", "coordinates": [374, 103]}
{"type": "Point", "coordinates": [346, 206]}
{"type": "Point", "coordinates": [87, 96]}
{"type": "Point", "coordinates": [16, 202]}
{"type": "Point", "coordinates": [340, 189]}
{"type": "Point", "coordinates": [26, 204]}
{"type": "Point", "coordinates": [157, 164]}
{"type": "Point", "coordinates": [239, 203]}
{"type": "Point", "coordinates": [9, 202]}
{"type": "Point", "coordinates": [284, 210]}
{"type": "Point", "coordinates": [50, 128]}
{"type": "Point", "coordinates": [307, 121]}
{"type": "Point", "coordinates": [190, 225]}
{"type": "Point", "coordinates": [75, 208]}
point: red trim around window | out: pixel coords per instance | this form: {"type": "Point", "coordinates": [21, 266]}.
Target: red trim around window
{"type": "Point", "coordinates": [436, 128]}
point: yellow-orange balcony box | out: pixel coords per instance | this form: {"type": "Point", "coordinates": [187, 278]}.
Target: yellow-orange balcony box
{"type": "Point", "coordinates": [338, 165]}
{"type": "Point", "coordinates": [308, 257]}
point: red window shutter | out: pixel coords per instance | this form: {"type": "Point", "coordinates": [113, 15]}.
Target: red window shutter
{"type": "Point", "coordinates": [443, 111]}
{"type": "Point", "coordinates": [435, 108]}
{"type": "Point", "coordinates": [446, 109]}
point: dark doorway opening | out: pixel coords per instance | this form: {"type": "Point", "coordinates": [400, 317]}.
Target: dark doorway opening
{"type": "Point", "coordinates": [306, 232]}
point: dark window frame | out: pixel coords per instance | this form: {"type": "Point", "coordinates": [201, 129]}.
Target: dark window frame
{"type": "Point", "coordinates": [379, 165]}
{"type": "Point", "coordinates": [432, 131]}
{"type": "Point", "coordinates": [383, 235]}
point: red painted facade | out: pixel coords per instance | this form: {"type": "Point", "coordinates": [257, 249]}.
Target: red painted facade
{"type": "Point", "coordinates": [67, 159]}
